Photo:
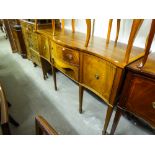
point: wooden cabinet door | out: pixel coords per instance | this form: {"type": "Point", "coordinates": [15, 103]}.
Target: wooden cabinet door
{"type": "Point", "coordinates": [44, 45]}
{"type": "Point", "coordinates": [141, 98]}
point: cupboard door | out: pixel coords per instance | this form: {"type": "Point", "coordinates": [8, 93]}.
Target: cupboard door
{"type": "Point", "coordinates": [141, 99]}
{"type": "Point", "coordinates": [44, 45]}
{"type": "Point", "coordinates": [98, 75]}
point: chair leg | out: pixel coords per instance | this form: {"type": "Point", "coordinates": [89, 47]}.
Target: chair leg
{"type": "Point", "coordinates": [13, 122]}
{"type": "Point", "coordinates": [5, 129]}
{"type": "Point", "coordinates": [107, 120]}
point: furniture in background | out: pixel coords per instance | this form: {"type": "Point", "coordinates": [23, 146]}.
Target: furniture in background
{"type": "Point", "coordinates": [14, 33]}
{"type": "Point", "coordinates": [138, 93]}
{"type": "Point", "coordinates": [43, 127]}
{"type": "Point", "coordinates": [5, 117]}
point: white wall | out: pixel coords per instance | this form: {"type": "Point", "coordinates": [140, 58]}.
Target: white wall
{"type": "Point", "coordinates": [101, 28]}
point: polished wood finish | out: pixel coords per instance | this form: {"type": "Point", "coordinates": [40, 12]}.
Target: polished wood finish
{"type": "Point", "coordinates": [88, 22]}
{"type": "Point", "coordinates": [118, 29]}
{"type": "Point", "coordinates": [43, 127]}
{"type": "Point", "coordinates": [138, 92]}
{"type": "Point", "coordinates": [134, 30]}
{"type": "Point", "coordinates": [109, 30]}
{"type": "Point", "coordinates": [148, 43]}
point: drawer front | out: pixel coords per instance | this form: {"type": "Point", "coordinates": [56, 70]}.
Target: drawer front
{"type": "Point", "coordinates": [66, 55]}
{"type": "Point", "coordinates": [33, 42]}
{"type": "Point", "coordinates": [98, 75]}
{"type": "Point", "coordinates": [66, 60]}
{"type": "Point", "coordinates": [141, 100]}
{"type": "Point", "coordinates": [44, 45]}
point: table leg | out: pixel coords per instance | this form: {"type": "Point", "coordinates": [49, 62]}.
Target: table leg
{"type": "Point", "coordinates": [107, 120]}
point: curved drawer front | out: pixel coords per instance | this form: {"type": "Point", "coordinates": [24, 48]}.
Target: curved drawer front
{"type": "Point", "coordinates": [66, 55]}
{"type": "Point", "coordinates": [98, 75]}
{"type": "Point", "coordinates": [66, 60]}
{"type": "Point", "coordinates": [141, 100]}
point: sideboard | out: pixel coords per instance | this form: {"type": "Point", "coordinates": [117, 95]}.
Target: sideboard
{"type": "Point", "coordinates": [93, 63]}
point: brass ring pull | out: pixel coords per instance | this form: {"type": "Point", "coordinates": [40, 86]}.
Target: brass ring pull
{"type": "Point", "coordinates": [153, 105]}
{"type": "Point", "coordinates": [69, 56]}
{"type": "Point", "coordinates": [97, 76]}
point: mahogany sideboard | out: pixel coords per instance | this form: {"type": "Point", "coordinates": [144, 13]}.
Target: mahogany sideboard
{"type": "Point", "coordinates": [93, 63]}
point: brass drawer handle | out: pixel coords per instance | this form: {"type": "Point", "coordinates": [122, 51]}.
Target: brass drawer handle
{"type": "Point", "coordinates": [69, 56]}
{"type": "Point", "coordinates": [97, 76]}
{"type": "Point", "coordinates": [63, 49]}
{"type": "Point", "coordinates": [153, 105]}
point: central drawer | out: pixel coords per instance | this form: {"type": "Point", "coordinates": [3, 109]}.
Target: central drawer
{"type": "Point", "coordinates": [98, 75]}
{"type": "Point", "coordinates": [66, 60]}
{"type": "Point", "coordinates": [66, 55]}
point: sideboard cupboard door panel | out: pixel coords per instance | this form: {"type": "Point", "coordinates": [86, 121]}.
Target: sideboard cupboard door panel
{"type": "Point", "coordinates": [98, 75]}
{"type": "Point", "coordinates": [44, 47]}
{"type": "Point", "coordinates": [141, 100]}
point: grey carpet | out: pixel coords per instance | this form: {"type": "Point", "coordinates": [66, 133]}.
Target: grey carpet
{"type": "Point", "coordinates": [30, 95]}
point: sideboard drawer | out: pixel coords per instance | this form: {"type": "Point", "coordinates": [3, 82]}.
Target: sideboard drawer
{"type": "Point", "coordinates": [66, 55]}
{"type": "Point", "coordinates": [141, 99]}
{"type": "Point", "coordinates": [98, 75]}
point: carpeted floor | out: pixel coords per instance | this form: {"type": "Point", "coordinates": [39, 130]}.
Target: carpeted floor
{"type": "Point", "coordinates": [30, 95]}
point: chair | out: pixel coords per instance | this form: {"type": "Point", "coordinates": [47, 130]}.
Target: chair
{"type": "Point", "coordinates": [5, 118]}
{"type": "Point", "coordinates": [43, 127]}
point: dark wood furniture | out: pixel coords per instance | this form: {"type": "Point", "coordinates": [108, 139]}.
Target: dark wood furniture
{"type": "Point", "coordinates": [138, 94]}
{"type": "Point", "coordinates": [43, 127]}
{"type": "Point", "coordinates": [14, 33]}
{"type": "Point", "coordinates": [5, 118]}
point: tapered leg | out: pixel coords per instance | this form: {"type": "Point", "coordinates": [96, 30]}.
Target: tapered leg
{"type": "Point", "coordinates": [5, 129]}
{"type": "Point", "coordinates": [107, 120]}
{"type": "Point", "coordinates": [54, 76]}
{"type": "Point", "coordinates": [116, 120]}
{"type": "Point", "coordinates": [81, 89]}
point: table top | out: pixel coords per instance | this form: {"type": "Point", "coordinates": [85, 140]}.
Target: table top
{"type": "Point", "coordinates": [97, 46]}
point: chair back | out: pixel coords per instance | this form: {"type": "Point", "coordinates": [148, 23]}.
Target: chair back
{"type": "Point", "coordinates": [3, 107]}
{"type": "Point", "coordinates": [43, 127]}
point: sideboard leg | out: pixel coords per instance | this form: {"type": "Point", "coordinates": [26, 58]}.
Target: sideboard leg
{"type": "Point", "coordinates": [54, 77]}
{"type": "Point", "coordinates": [107, 120]}
{"type": "Point", "coordinates": [116, 120]}
{"type": "Point", "coordinates": [81, 89]}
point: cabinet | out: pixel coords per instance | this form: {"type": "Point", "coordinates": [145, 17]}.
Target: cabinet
{"type": "Point", "coordinates": [14, 32]}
